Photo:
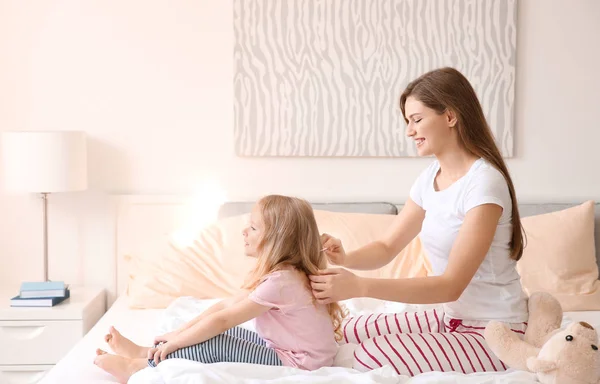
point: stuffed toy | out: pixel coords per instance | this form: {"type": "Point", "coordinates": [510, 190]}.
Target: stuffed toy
{"type": "Point", "coordinates": [555, 355]}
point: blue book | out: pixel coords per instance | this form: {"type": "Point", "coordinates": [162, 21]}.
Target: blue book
{"type": "Point", "coordinates": [43, 289]}
{"type": "Point", "coordinates": [42, 285]}
{"type": "Point", "coordinates": [19, 301]}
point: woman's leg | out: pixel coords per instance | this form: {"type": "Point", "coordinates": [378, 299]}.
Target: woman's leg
{"type": "Point", "coordinates": [462, 348]}
{"type": "Point", "coordinates": [360, 328]}
{"type": "Point", "coordinates": [226, 348]}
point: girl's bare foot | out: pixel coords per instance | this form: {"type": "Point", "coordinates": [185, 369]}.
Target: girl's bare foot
{"type": "Point", "coordinates": [123, 346]}
{"type": "Point", "coordinates": [122, 368]}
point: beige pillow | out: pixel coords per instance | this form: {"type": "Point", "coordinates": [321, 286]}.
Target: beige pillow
{"type": "Point", "coordinates": [215, 266]}
{"type": "Point", "coordinates": [560, 257]}
{"type": "Point", "coordinates": [212, 266]}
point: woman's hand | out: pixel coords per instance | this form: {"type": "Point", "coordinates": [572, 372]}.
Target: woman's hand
{"type": "Point", "coordinates": [161, 352]}
{"type": "Point", "coordinates": [165, 338]}
{"type": "Point", "coordinates": [333, 249]}
{"type": "Point", "coordinates": [335, 284]}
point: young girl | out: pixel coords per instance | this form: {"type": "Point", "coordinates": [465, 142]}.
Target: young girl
{"type": "Point", "coordinates": [464, 208]}
{"type": "Point", "coordinates": [293, 329]}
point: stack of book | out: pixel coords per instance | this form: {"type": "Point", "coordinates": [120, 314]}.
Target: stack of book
{"type": "Point", "coordinates": [42, 294]}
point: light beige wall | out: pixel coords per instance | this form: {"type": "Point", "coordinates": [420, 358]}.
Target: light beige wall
{"type": "Point", "coordinates": [151, 83]}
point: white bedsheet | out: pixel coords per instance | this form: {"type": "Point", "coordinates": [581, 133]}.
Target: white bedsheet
{"type": "Point", "coordinates": [142, 325]}
{"type": "Point", "coordinates": [179, 371]}
{"type": "Point", "coordinates": [78, 365]}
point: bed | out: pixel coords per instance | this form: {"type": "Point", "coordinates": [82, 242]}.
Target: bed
{"type": "Point", "coordinates": [158, 215]}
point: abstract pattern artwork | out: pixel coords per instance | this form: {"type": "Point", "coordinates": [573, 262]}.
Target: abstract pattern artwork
{"type": "Point", "coordinates": [323, 77]}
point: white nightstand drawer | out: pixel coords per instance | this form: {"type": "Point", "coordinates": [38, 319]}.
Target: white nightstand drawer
{"type": "Point", "coordinates": [22, 374]}
{"type": "Point", "coordinates": [37, 342]}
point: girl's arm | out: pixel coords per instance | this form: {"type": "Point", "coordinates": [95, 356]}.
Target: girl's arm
{"type": "Point", "coordinates": [470, 247]}
{"type": "Point", "coordinates": [219, 322]}
{"type": "Point", "coordinates": [217, 307]}
{"type": "Point", "coordinates": [378, 253]}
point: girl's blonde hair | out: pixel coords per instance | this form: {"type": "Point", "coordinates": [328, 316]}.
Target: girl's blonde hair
{"type": "Point", "coordinates": [291, 239]}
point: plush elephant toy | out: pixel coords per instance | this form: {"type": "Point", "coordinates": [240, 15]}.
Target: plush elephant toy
{"type": "Point", "coordinates": [557, 356]}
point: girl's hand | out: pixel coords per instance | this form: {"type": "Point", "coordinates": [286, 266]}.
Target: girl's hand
{"type": "Point", "coordinates": [333, 249]}
{"type": "Point", "coordinates": [165, 338]}
{"type": "Point", "coordinates": [336, 284]}
{"type": "Point", "coordinates": [160, 353]}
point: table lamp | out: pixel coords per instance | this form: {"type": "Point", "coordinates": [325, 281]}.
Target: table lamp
{"type": "Point", "coordinates": [44, 162]}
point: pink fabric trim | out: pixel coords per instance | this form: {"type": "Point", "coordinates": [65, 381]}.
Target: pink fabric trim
{"type": "Point", "coordinates": [397, 322]}
{"type": "Point", "coordinates": [407, 322]}
{"type": "Point", "coordinates": [387, 324]}
{"type": "Point", "coordinates": [377, 325]}
{"type": "Point", "coordinates": [438, 321]}
{"type": "Point", "coordinates": [367, 326]}
{"type": "Point", "coordinates": [355, 330]}
{"type": "Point", "coordinates": [427, 319]}
{"type": "Point", "coordinates": [418, 323]}
{"type": "Point", "coordinates": [346, 326]}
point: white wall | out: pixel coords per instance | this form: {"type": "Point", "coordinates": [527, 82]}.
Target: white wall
{"type": "Point", "coordinates": [151, 83]}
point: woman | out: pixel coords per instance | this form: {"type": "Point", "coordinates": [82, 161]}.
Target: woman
{"type": "Point", "coordinates": [464, 208]}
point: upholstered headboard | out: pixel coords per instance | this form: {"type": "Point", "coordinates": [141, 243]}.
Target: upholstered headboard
{"type": "Point", "coordinates": [231, 209]}
{"type": "Point", "coordinates": [141, 219]}
{"type": "Point", "coordinates": [240, 208]}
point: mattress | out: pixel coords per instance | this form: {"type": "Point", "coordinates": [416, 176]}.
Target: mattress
{"type": "Point", "coordinates": [78, 365]}
{"type": "Point", "coordinates": [142, 325]}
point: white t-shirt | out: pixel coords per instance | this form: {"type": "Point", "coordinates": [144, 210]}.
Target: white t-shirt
{"type": "Point", "coordinates": [495, 292]}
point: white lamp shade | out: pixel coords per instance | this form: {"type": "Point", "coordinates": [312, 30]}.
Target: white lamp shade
{"type": "Point", "coordinates": [44, 161]}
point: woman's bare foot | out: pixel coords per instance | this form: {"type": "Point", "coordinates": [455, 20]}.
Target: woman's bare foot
{"type": "Point", "coordinates": [122, 368]}
{"type": "Point", "coordinates": [123, 346]}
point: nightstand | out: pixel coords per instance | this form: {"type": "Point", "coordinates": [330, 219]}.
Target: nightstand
{"type": "Point", "coordinates": [33, 339]}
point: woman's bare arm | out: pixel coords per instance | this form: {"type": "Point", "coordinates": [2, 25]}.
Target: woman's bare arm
{"type": "Point", "coordinates": [470, 248]}
{"type": "Point", "coordinates": [376, 254]}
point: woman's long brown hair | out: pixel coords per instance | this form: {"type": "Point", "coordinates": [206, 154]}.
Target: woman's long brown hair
{"type": "Point", "coordinates": [447, 89]}
{"type": "Point", "coordinates": [291, 239]}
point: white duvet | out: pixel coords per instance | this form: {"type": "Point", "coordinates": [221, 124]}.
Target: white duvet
{"type": "Point", "coordinates": [179, 371]}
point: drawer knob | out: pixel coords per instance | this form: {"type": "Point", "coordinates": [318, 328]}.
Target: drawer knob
{"type": "Point", "coordinates": [23, 332]}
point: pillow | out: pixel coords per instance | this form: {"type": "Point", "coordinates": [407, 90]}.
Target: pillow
{"type": "Point", "coordinates": [560, 257]}
{"type": "Point", "coordinates": [214, 264]}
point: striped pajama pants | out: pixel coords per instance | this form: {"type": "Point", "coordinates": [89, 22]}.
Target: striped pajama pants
{"type": "Point", "coordinates": [418, 342]}
{"type": "Point", "coordinates": [236, 345]}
